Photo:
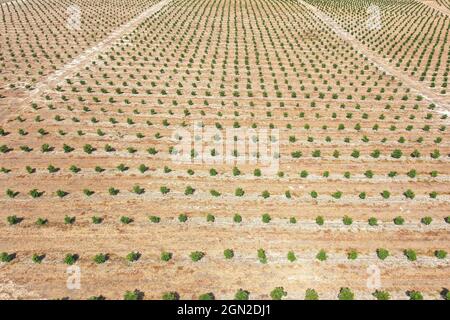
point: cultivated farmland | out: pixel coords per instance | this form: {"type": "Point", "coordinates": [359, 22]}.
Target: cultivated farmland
{"type": "Point", "coordinates": [100, 200]}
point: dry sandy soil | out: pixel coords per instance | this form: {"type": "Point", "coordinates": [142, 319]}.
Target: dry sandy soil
{"type": "Point", "coordinates": [129, 81]}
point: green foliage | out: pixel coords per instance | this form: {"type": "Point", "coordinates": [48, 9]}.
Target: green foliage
{"type": "Point", "coordinates": [126, 220]}
{"type": "Point", "coordinates": [352, 255]}
{"type": "Point", "coordinates": [164, 190]}
{"type": "Point", "coordinates": [12, 220]}
{"type": "Point", "coordinates": [96, 220]}
{"type": "Point", "coordinates": [320, 220]}
{"type": "Point", "coordinates": [426, 220]}
{"type": "Point", "coordinates": [154, 219]}
{"type": "Point", "coordinates": [415, 295]}
{"type": "Point", "coordinates": [265, 194]}
{"type": "Point", "coordinates": [291, 256]}
{"type": "Point", "coordinates": [196, 255]}
{"type": "Point", "coordinates": [210, 218]}
{"type": "Point", "coordinates": [373, 221]}
{"type": "Point", "coordinates": [266, 218]}
{"type": "Point", "coordinates": [133, 256]}
{"type": "Point", "coordinates": [6, 257]}
{"type": "Point", "coordinates": [278, 293]}
{"type": "Point", "coordinates": [182, 218]}
{"type": "Point", "coordinates": [311, 294]}
{"type": "Point", "coordinates": [440, 254]}
{"type": "Point", "coordinates": [69, 220]}
{"type": "Point", "coordinates": [70, 259]}
{"type": "Point", "coordinates": [410, 254]}
{"type": "Point", "coordinates": [242, 295]}
{"type": "Point", "coordinates": [399, 220]}
{"type": "Point", "coordinates": [347, 220]}
{"type": "Point", "coordinates": [381, 295]}
{"type": "Point", "coordinates": [36, 258]}
{"type": "Point", "coordinates": [262, 256]}
{"type": "Point", "coordinates": [322, 255]}
{"type": "Point", "coordinates": [166, 256]}
{"type": "Point", "coordinates": [237, 218]}
{"type": "Point", "coordinates": [133, 295]}
{"type": "Point", "coordinates": [346, 294]}
{"type": "Point", "coordinates": [100, 258]}
{"type": "Point", "coordinates": [228, 253]}
{"type": "Point", "coordinates": [206, 296]}
{"type": "Point", "coordinates": [382, 253]}
{"type": "Point", "coordinates": [409, 194]}
{"type": "Point", "coordinates": [189, 191]}
{"type": "Point", "coordinates": [239, 192]}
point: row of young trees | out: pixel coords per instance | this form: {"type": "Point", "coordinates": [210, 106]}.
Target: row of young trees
{"type": "Point", "coordinates": [237, 218]}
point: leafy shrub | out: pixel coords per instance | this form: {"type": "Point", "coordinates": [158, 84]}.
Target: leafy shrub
{"type": "Point", "coordinates": [41, 221]}
{"type": "Point", "coordinates": [262, 256]}
{"type": "Point", "coordinates": [210, 218]}
{"type": "Point", "coordinates": [12, 220]}
{"type": "Point", "coordinates": [346, 294]}
{"type": "Point", "coordinates": [291, 256]}
{"type": "Point", "coordinates": [206, 296]}
{"type": "Point", "coordinates": [320, 220]}
{"type": "Point", "coordinates": [410, 254]}
{"type": "Point", "coordinates": [237, 218]}
{"type": "Point", "coordinates": [373, 221]}
{"type": "Point", "coordinates": [292, 220]}
{"type": "Point", "coordinates": [386, 194]}
{"type": "Point", "coordinates": [337, 195]}
{"type": "Point", "coordinates": [415, 295]}
{"type": "Point", "coordinates": [196, 255]}
{"type": "Point", "coordinates": [182, 218]}
{"type": "Point", "coordinates": [100, 258]}
{"type": "Point", "coordinates": [381, 295]}
{"type": "Point", "coordinates": [440, 254]}
{"type": "Point", "coordinates": [228, 253]}
{"type": "Point", "coordinates": [154, 219]}
{"type": "Point", "coordinates": [96, 220]}
{"type": "Point", "coordinates": [70, 259]}
{"type": "Point", "coordinates": [164, 190]}
{"type": "Point", "coordinates": [242, 295]}
{"type": "Point", "coordinates": [322, 255]}
{"type": "Point", "coordinates": [189, 191]}
{"type": "Point", "coordinates": [278, 293]}
{"type": "Point", "coordinates": [426, 220]}
{"type": "Point", "coordinates": [69, 220]}
{"type": "Point", "coordinates": [399, 221]}
{"type": "Point", "coordinates": [265, 194]}
{"type": "Point", "coordinates": [133, 256]}
{"type": "Point", "coordinates": [347, 220]}
{"type": "Point", "coordinates": [126, 220]}
{"type": "Point", "coordinates": [352, 255]}
{"type": "Point", "coordinates": [36, 258]}
{"type": "Point", "coordinates": [239, 192]}
{"type": "Point", "coordinates": [382, 253]}
{"type": "Point", "coordinates": [215, 193]}
{"type": "Point", "coordinates": [311, 294]}
{"type": "Point", "coordinates": [166, 256]}
{"type": "Point", "coordinates": [266, 218]}
{"type": "Point", "coordinates": [409, 194]}
{"type": "Point", "coordinates": [138, 190]}
{"type": "Point", "coordinates": [133, 295]}
{"type": "Point", "coordinates": [6, 257]}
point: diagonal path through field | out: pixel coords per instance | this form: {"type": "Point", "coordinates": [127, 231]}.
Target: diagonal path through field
{"type": "Point", "coordinates": [78, 63]}
{"type": "Point", "coordinates": [441, 101]}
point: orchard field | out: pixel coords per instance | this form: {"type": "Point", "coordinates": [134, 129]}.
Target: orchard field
{"type": "Point", "coordinates": [93, 204]}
